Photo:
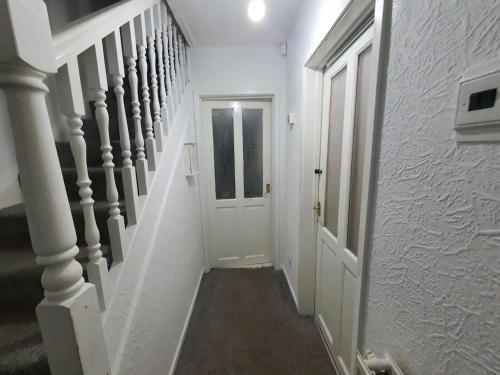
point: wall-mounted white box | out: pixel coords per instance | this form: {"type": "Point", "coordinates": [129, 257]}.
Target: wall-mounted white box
{"type": "Point", "coordinates": [190, 159]}
{"type": "Point", "coordinates": [478, 109]}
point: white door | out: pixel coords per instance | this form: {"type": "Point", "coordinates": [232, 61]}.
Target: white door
{"type": "Point", "coordinates": [343, 133]}
{"type": "Point", "coordinates": [238, 136]}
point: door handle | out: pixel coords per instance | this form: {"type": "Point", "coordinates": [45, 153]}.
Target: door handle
{"type": "Point", "coordinates": [317, 208]}
{"type": "Point", "coordinates": [268, 188]}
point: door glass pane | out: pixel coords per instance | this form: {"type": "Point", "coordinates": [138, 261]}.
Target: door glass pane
{"type": "Point", "coordinates": [360, 129]}
{"type": "Point", "coordinates": [334, 152]}
{"type": "Point", "coordinates": [252, 151]}
{"type": "Point", "coordinates": [223, 134]}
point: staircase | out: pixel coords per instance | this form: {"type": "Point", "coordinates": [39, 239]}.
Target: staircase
{"type": "Point", "coordinates": [139, 39]}
{"type": "Point", "coordinates": [21, 348]}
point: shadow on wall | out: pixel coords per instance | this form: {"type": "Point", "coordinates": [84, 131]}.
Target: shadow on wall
{"type": "Point", "coordinates": [62, 12]}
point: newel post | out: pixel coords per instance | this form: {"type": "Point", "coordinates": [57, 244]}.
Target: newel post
{"type": "Point", "coordinates": [69, 315]}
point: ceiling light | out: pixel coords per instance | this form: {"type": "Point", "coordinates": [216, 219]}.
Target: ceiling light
{"type": "Point", "coordinates": [256, 10]}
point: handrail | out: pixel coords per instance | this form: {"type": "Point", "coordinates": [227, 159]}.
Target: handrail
{"type": "Point", "coordinates": [83, 33]}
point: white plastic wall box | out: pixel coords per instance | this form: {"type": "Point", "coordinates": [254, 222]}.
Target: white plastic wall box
{"type": "Point", "coordinates": [478, 109]}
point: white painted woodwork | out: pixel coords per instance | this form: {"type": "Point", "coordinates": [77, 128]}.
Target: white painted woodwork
{"type": "Point", "coordinates": [72, 105]}
{"type": "Point", "coordinates": [69, 314]}
{"type": "Point", "coordinates": [140, 34]}
{"type": "Point", "coordinates": [161, 68]}
{"type": "Point", "coordinates": [178, 83]}
{"type": "Point", "coordinates": [130, 53]}
{"type": "Point", "coordinates": [338, 271]}
{"type": "Point", "coordinates": [239, 229]}
{"type": "Point", "coordinates": [172, 59]}
{"type": "Point", "coordinates": [150, 37]}
{"type": "Point", "coordinates": [83, 33]}
{"type": "Point", "coordinates": [95, 73]}
{"type": "Point", "coordinates": [117, 71]}
{"type": "Point", "coordinates": [170, 98]}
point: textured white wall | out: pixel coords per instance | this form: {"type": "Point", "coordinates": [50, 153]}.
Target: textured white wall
{"type": "Point", "coordinates": [435, 270]}
{"type": "Point", "coordinates": [156, 285]}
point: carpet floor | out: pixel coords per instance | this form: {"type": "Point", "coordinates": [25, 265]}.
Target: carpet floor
{"type": "Point", "coordinates": [245, 322]}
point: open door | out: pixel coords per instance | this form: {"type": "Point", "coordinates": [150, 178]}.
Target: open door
{"type": "Point", "coordinates": [343, 133]}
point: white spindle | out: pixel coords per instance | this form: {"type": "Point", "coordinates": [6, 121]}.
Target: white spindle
{"type": "Point", "coordinates": [140, 29]}
{"type": "Point", "coordinates": [130, 53]}
{"type": "Point", "coordinates": [161, 69]}
{"type": "Point", "coordinates": [95, 72]}
{"type": "Point", "coordinates": [72, 105]}
{"type": "Point", "coordinates": [150, 36]}
{"type": "Point", "coordinates": [117, 72]}
{"type": "Point", "coordinates": [68, 316]}
{"type": "Point", "coordinates": [170, 97]}
{"type": "Point", "coordinates": [172, 60]}
{"type": "Point", "coordinates": [177, 66]}
{"type": "Point", "coordinates": [183, 60]}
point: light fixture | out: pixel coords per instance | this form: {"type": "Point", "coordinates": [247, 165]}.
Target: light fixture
{"type": "Point", "coordinates": [256, 10]}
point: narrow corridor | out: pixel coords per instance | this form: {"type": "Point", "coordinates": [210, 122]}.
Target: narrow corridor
{"type": "Point", "coordinates": [245, 322]}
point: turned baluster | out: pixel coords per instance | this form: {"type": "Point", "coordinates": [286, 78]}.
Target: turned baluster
{"type": "Point", "coordinates": [172, 59]}
{"type": "Point", "coordinates": [177, 65]}
{"type": "Point", "coordinates": [95, 72]}
{"type": "Point", "coordinates": [170, 98]}
{"type": "Point", "coordinates": [117, 71]}
{"type": "Point", "coordinates": [140, 29]}
{"type": "Point", "coordinates": [130, 53]}
{"type": "Point", "coordinates": [68, 316]}
{"type": "Point", "coordinates": [181, 62]}
{"type": "Point", "coordinates": [150, 36]}
{"type": "Point", "coordinates": [161, 69]}
{"type": "Point", "coordinates": [72, 105]}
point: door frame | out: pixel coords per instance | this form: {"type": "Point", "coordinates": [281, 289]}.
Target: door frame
{"type": "Point", "coordinates": [275, 163]}
{"type": "Point", "coordinates": [342, 33]}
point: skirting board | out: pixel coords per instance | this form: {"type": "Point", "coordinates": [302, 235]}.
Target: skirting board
{"type": "Point", "coordinates": [290, 286]}
{"type": "Point", "coordinates": [186, 325]}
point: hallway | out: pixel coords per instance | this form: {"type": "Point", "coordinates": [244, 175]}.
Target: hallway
{"type": "Point", "coordinates": [245, 322]}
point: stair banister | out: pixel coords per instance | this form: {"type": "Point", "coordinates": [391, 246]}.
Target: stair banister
{"type": "Point", "coordinates": [71, 102]}
{"type": "Point", "coordinates": [95, 73]}
{"type": "Point", "coordinates": [69, 314]}
{"type": "Point", "coordinates": [170, 98]}
{"type": "Point", "coordinates": [177, 64]}
{"type": "Point", "coordinates": [140, 33]}
{"type": "Point", "coordinates": [150, 37]}
{"type": "Point", "coordinates": [79, 35]}
{"type": "Point", "coordinates": [116, 69]}
{"type": "Point", "coordinates": [172, 59]}
{"type": "Point", "coordinates": [130, 53]}
{"type": "Point", "coordinates": [161, 68]}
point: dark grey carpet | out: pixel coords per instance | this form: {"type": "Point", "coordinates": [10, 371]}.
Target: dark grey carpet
{"type": "Point", "coordinates": [245, 322]}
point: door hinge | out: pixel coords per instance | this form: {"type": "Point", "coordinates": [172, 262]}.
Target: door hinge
{"type": "Point", "coordinates": [317, 208]}
{"type": "Point", "coordinates": [318, 171]}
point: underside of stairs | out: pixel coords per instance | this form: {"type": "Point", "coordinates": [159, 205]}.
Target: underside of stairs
{"type": "Point", "coordinates": [21, 348]}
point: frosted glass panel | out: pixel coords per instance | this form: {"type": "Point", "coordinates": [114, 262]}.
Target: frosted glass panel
{"type": "Point", "coordinates": [223, 134]}
{"type": "Point", "coordinates": [252, 152]}
{"type": "Point", "coordinates": [358, 151]}
{"type": "Point", "coordinates": [334, 152]}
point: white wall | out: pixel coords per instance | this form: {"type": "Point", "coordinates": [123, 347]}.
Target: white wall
{"type": "Point", "coordinates": [313, 22]}
{"type": "Point", "coordinates": [233, 71]}
{"type": "Point", "coordinates": [434, 288]}
{"type": "Point", "coordinates": [157, 284]}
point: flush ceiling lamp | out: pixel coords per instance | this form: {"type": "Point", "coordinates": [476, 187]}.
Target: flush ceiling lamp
{"type": "Point", "coordinates": [256, 10]}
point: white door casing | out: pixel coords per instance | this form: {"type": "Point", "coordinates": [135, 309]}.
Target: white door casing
{"type": "Point", "coordinates": [238, 219]}
{"type": "Point", "coordinates": [338, 266]}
